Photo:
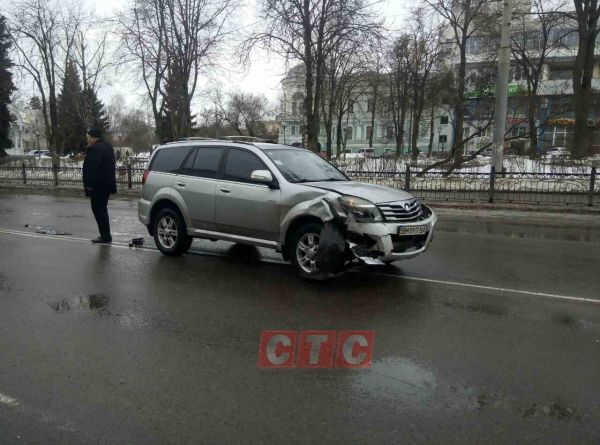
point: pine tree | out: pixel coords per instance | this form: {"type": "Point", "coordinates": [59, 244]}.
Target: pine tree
{"type": "Point", "coordinates": [6, 87]}
{"type": "Point", "coordinates": [95, 113]}
{"type": "Point", "coordinates": [71, 106]}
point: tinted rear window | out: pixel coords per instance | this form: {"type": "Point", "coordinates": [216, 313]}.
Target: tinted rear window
{"type": "Point", "coordinates": [169, 160]}
{"type": "Point", "coordinates": [204, 163]}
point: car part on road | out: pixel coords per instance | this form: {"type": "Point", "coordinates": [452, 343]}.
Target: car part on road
{"type": "Point", "coordinates": [47, 230]}
{"type": "Point", "coordinates": [331, 251]}
{"type": "Point", "coordinates": [137, 242]}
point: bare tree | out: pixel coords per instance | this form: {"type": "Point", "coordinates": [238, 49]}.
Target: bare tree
{"type": "Point", "coordinates": [341, 68]}
{"type": "Point", "coordinates": [464, 20]}
{"type": "Point", "coordinates": [309, 31]}
{"type": "Point", "coordinates": [424, 51]}
{"type": "Point", "coordinates": [587, 14]}
{"type": "Point", "coordinates": [537, 37]}
{"type": "Point", "coordinates": [244, 112]}
{"type": "Point", "coordinates": [399, 70]}
{"type": "Point", "coordinates": [172, 42]}
{"type": "Point", "coordinates": [43, 33]}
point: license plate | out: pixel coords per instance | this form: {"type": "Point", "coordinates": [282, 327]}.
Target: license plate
{"type": "Point", "coordinates": [412, 230]}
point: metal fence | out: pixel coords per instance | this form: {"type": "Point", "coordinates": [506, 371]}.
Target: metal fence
{"type": "Point", "coordinates": [533, 188]}
{"type": "Point", "coordinates": [128, 178]}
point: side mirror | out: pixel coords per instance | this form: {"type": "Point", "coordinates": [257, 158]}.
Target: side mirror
{"type": "Point", "coordinates": [262, 176]}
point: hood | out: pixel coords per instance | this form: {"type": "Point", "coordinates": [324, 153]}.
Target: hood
{"type": "Point", "coordinates": [374, 193]}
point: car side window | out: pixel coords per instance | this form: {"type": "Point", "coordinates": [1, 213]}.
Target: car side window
{"type": "Point", "coordinates": [169, 160]}
{"type": "Point", "coordinates": [241, 164]}
{"type": "Point", "coordinates": [207, 161]}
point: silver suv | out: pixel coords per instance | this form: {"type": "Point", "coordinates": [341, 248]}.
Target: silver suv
{"type": "Point", "coordinates": [280, 197]}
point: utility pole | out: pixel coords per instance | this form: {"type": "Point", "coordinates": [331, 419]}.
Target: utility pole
{"type": "Point", "coordinates": [502, 87]}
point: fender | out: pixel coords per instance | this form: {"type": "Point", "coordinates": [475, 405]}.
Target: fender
{"type": "Point", "coordinates": [318, 207]}
{"type": "Point", "coordinates": [170, 194]}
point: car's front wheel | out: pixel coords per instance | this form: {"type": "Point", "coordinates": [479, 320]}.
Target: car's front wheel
{"type": "Point", "coordinates": [303, 251]}
{"type": "Point", "coordinates": [170, 234]}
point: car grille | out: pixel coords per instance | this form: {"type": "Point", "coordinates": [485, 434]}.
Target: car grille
{"type": "Point", "coordinates": [401, 211]}
{"type": "Point", "coordinates": [408, 243]}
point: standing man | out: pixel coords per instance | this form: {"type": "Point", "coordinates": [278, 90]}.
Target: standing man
{"type": "Point", "coordinates": [99, 180]}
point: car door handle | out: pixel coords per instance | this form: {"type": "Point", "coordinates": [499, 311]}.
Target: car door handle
{"type": "Point", "coordinates": [226, 190]}
{"type": "Point", "coordinates": [180, 184]}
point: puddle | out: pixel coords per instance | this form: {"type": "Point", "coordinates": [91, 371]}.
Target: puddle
{"type": "Point", "coordinates": [484, 308]}
{"type": "Point", "coordinates": [568, 321]}
{"type": "Point", "coordinates": [89, 303]}
{"type": "Point", "coordinates": [581, 234]}
{"type": "Point", "coordinates": [559, 411]}
{"type": "Point", "coordinates": [393, 378]}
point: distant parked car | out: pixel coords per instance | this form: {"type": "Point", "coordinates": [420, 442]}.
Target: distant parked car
{"type": "Point", "coordinates": [366, 152]}
{"type": "Point", "coordinates": [39, 153]}
{"type": "Point", "coordinates": [557, 153]}
{"type": "Point", "coordinates": [389, 153]}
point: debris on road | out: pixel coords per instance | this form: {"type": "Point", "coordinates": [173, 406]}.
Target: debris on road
{"type": "Point", "coordinates": [137, 242]}
{"type": "Point", "coordinates": [47, 230]}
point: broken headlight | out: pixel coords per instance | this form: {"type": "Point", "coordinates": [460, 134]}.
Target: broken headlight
{"type": "Point", "coordinates": [362, 210]}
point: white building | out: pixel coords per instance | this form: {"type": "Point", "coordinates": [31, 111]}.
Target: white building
{"type": "Point", "coordinates": [26, 130]}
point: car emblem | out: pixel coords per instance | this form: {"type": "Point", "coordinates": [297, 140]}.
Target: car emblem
{"type": "Point", "coordinates": [407, 207]}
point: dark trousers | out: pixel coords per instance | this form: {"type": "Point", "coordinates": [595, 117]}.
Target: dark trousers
{"type": "Point", "coordinates": [99, 208]}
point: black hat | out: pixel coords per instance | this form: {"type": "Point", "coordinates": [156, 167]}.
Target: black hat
{"type": "Point", "coordinates": [95, 133]}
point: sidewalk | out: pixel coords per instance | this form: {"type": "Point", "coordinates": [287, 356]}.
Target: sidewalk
{"type": "Point", "coordinates": [441, 206]}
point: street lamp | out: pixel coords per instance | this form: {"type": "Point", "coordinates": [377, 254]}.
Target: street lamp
{"type": "Point", "coordinates": [283, 126]}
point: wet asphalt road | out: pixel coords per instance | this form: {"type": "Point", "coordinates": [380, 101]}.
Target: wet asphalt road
{"type": "Point", "coordinates": [105, 344]}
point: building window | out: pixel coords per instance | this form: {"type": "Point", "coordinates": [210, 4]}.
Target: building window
{"type": "Point", "coordinates": [443, 120]}
{"type": "Point", "coordinates": [348, 133]}
{"type": "Point", "coordinates": [371, 105]}
{"type": "Point", "coordinates": [350, 107]}
{"type": "Point", "coordinates": [293, 130]}
{"type": "Point", "coordinates": [474, 46]}
{"type": "Point", "coordinates": [294, 108]}
{"type": "Point", "coordinates": [389, 133]}
{"type": "Point", "coordinates": [369, 132]}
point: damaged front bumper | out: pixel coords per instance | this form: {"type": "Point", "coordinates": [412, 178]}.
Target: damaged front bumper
{"type": "Point", "coordinates": [380, 243]}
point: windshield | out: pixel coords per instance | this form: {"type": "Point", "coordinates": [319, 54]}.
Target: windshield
{"type": "Point", "coordinates": [304, 166]}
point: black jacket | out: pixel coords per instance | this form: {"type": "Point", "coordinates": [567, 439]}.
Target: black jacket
{"type": "Point", "coordinates": [99, 169]}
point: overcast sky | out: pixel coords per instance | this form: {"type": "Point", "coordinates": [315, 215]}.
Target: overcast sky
{"type": "Point", "coordinates": [262, 76]}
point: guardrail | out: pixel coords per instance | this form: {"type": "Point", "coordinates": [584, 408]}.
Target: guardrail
{"type": "Point", "coordinates": [532, 188]}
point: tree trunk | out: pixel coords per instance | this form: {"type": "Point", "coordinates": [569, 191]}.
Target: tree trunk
{"type": "Point", "coordinates": [459, 116]}
{"type": "Point", "coordinates": [533, 139]}
{"type": "Point", "coordinates": [582, 81]}
{"type": "Point", "coordinates": [373, 111]}
{"type": "Point", "coordinates": [431, 131]}
{"type": "Point", "coordinates": [339, 136]}
{"type": "Point", "coordinates": [328, 127]}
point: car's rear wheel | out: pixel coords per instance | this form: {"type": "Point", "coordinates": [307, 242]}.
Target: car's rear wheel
{"type": "Point", "coordinates": [170, 234]}
{"type": "Point", "coordinates": [303, 251]}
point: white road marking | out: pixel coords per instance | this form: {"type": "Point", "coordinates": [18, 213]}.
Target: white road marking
{"type": "Point", "coordinates": [483, 287]}
{"type": "Point", "coordinates": [401, 277]}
